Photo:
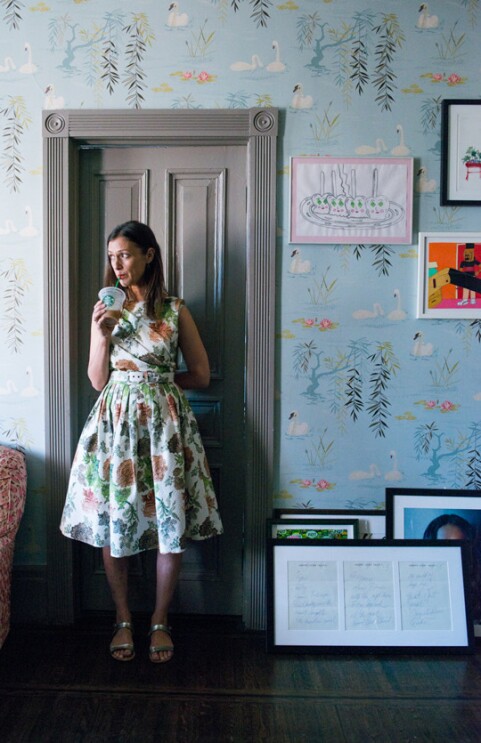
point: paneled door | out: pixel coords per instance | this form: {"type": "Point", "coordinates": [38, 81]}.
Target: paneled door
{"type": "Point", "coordinates": [194, 198]}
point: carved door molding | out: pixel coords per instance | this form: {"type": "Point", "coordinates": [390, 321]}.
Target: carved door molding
{"type": "Point", "coordinates": [65, 132]}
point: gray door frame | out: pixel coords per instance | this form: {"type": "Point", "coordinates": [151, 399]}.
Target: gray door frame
{"type": "Point", "coordinates": [65, 133]}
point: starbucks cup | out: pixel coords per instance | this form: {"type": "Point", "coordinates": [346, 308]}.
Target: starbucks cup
{"type": "Point", "coordinates": [113, 298]}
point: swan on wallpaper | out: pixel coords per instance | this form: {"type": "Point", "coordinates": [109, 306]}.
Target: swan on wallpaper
{"type": "Point", "coordinates": [9, 389]}
{"type": "Point", "coordinates": [29, 230]}
{"type": "Point", "coordinates": [8, 227]}
{"type": "Point", "coordinates": [297, 264]}
{"type": "Point", "coordinates": [397, 313]}
{"type": "Point", "coordinates": [8, 64]}
{"type": "Point", "coordinates": [276, 65]}
{"type": "Point", "coordinates": [424, 19]}
{"type": "Point", "coordinates": [294, 428]}
{"type": "Point", "coordinates": [51, 100]}
{"type": "Point", "coordinates": [394, 473]}
{"type": "Point", "coordinates": [175, 19]}
{"type": "Point", "coordinates": [368, 149]}
{"type": "Point", "coordinates": [240, 66]}
{"type": "Point", "coordinates": [369, 474]}
{"type": "Point", "coordinates": [376, 311]}
{"type": "Point", "coordinates": [401, 148]}
{"type": "Point", "coordinates": [420, 348]}
{"type": "Point", "coordinates": [30, 390]}
{"type": "Point", "coordinates": [300, 100]}
{"type": "Point", "coordinates": [423, 184]}
{"type": "Point", "coordinates": [29, 67]}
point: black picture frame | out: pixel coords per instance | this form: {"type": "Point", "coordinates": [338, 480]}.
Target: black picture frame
{"type": "Point", "coordinates": [372, 522]}
{"type": "Point", "coordinates": [460, 123]}
{"type": "Point", "coordinates": [318, 528]}
{"type": "Point", "coordinates": [323, 597]}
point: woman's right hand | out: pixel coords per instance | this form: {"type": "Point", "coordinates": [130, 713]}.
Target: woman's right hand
{"type": "Point", "coordinates": [104, 322]}
{"type": "Point", "coordinates": [101, 331]}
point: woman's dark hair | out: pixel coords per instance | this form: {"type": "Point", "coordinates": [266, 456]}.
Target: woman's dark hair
{"type": "Point", "coordinates": [141, 234]}
{"type": "Point", "coordinates": [432, 528]}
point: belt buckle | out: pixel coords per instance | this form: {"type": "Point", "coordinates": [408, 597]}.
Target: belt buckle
{"type": "Point", "coordinates": [136, 376]}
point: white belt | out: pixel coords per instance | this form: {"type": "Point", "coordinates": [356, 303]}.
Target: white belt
{"type": "Point", "coordinates": [141, 376]}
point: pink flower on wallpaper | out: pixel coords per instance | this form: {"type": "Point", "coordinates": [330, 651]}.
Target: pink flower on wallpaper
{"type": "Point", "coordinates": [326, 324]}
{"type": "Point", "coordinates": [203, 76]}
{"type": "Point", "coordinates": [186, 75]}
{"type": "Point", "coordinates": [430, 404]}
{"type": "Point", "coordinates": [447, 406]}
{"type": "Point", "coordinates": [323, 485]}
{"type": "Point", "coordinates": [310, 322]}
{"type": "Point", "coordinates": [439, 77]}
{"type": "Point", "coordinates": [306, 483]}
{"type": "Point", "coordinates": [454, 79]}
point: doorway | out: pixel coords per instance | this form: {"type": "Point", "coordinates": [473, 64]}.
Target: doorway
{"type": "Point", "coordinates": [66, 135]}
{"type": "Point", "coordinates": [190, 196]}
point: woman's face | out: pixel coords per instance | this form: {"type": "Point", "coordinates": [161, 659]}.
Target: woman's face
{"type": "Point", "coordinates": [128, 261]}
{"type": "Point", "coordinates": [450, 531]}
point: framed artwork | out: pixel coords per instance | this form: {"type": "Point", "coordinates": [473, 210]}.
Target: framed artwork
{"type": "Point", "coordinates": [357, 595]}
{"type": "Point", "coordinates": [429, 514]}
{"type": "Point", "coordinates": [351, 200]}
{"type": "Point", "coordinates": [318, 528]}
{"type": "Point", "coordinates": [461, 152]}
{"type": "Point", "coordinates": [449, 275]}
{"type": "Point", "coordinates": [371, 523]}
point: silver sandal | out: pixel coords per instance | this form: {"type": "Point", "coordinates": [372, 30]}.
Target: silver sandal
{"type": "Point", "coordinates": [161, 648]}
{"type": "Point", "coordinates": [124, 646]}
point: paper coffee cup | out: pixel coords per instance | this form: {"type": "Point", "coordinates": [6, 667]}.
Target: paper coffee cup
{"type": "Point", "coordinates": [113, 298]}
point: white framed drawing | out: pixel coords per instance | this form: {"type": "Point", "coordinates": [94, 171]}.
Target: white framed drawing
{"type": "Point", "coordinates": [351, 200]}
{"type": "Point", "coordinates": [359, 595]}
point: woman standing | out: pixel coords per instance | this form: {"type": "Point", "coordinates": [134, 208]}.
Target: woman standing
{"type": "Point", "coordinates": [140, 478]}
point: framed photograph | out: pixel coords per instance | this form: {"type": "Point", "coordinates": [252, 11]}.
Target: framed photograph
{"type": "Point", "coordinates": [449, 275]}
{"type": "Point", "coordinates": [351, 200]}
{"type": "Point", "coordinates": [313, 529]}
{"type": "Point", "coordinates": [461, 152]}
{"type": "Point", "coordinates": [360, 595]}
{"type": "Point", "coordinates": [423, 513]}
{"type": "Point", "coordinates": [371, 523]}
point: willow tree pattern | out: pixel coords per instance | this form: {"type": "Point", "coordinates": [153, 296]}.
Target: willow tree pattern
{"type": "Point", "coordinates": [12, 159]}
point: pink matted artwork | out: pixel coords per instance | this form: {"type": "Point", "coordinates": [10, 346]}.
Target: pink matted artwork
{"type": "Point", "coordinates": [351, 200]}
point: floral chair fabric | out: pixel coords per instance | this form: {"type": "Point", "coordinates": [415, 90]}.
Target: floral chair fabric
{"type": "Point", "coordinates": [13, 488]}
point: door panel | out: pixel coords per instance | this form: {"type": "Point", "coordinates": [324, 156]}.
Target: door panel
{"type": "Point", "coordinates": [194, 200]}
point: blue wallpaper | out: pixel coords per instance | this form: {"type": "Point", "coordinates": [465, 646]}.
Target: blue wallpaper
{"type": "Point", "coordinates": [366, 393]}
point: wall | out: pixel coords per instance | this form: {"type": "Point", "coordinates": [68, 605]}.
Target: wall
{"type": "Point", "coordinates": [418, 417]}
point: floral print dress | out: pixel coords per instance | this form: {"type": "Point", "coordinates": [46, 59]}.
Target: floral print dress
{"type": "Point", "coordinates": [140, 478]}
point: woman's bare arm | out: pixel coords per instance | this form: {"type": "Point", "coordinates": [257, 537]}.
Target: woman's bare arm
{"type": "Point", "coordinates": [197, 375]}
{"type": "Point", "coordinates": [100, 333]}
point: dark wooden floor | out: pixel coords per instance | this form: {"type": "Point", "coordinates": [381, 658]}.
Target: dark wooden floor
{"type": "Point", "coordinates": [60, 686]}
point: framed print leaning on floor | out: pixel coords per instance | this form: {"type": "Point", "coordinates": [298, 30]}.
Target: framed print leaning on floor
{"type": "Point", "coordinates": [430, 514]}
{"type": "Point", "coordinates": [363, 595]}
{"type": "Point", "coordinates": [372, 523]}
{"type": "Point", "coordinates": [461, 152]}
{"type": "Point", "coordinates": [318, 528]}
